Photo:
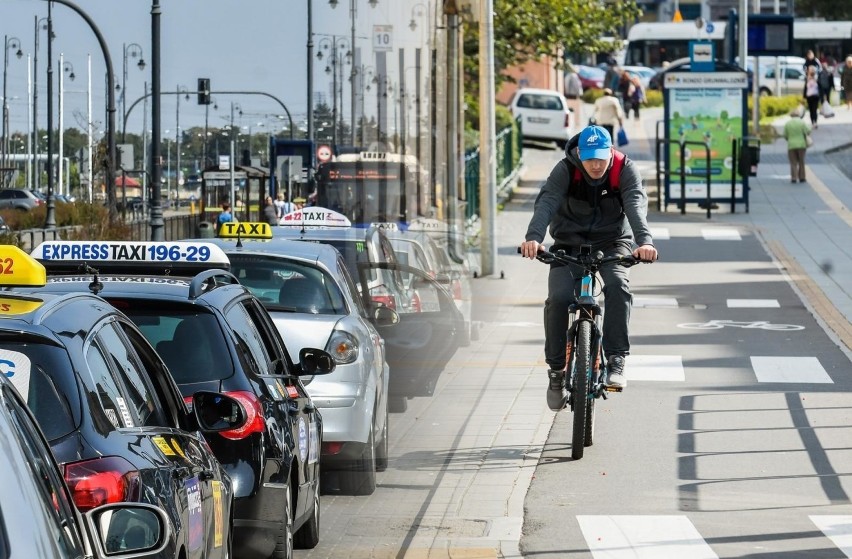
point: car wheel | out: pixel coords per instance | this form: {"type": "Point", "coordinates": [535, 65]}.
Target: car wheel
{"type": "Point", "coordinates": [307, 537]}
{"type": "Point", "coordinates": [360, 478]}
{"type": "Point", "coordinates": [764, 92]}
{"type": "Point", "coordinates": [382, 449]}
{"type": "Point", "coordinates": [397, 404]}
{"type": "Point", "coordinates": [284, 535]}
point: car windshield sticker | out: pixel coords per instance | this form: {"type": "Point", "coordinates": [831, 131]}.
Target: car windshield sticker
{"type": "Point", "coordinates": [303, 439]}
{"type": "Point", "coordinates": [218, 514]}
{"type": "Point", "coordinates": [196, 518]}
{"type": "Point", "coordinates": [275, 393]}
{"type": "Point", "coordinates": [292, 391]}
{"type": "Point", "coordinates": [163, 446]}
{"type": "Point", "coordinates": [16, 367]}
{"type": "Point", "coordinates": [313, 454]}
{"type": "Point", "coordinates": [177, 448]}
{"type": "Point", "coordinates": [125, 412]}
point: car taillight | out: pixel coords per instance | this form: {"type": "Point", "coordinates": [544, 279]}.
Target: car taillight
{"type": "Point", "coordinates": [457, 290]}
{"type": "Point", "coordinates": [382, 296]}
{"type": "Point", "coordinates": [255, 422]}
{"type": "Point", "coordinates": [567, 120]}
{"type": "Point", "coordinates": [110, 479]}
{"type": "Point", "coordinates": [332, 448]}
{"type": "Point", "coordinates": [416, 303]}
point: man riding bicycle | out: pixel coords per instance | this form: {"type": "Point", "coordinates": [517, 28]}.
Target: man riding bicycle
{"type": "Point", "coordinates": [594, 196]}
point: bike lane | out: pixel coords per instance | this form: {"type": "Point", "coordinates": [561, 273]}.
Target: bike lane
{"type": "Point", "coordinates": [728, 441]}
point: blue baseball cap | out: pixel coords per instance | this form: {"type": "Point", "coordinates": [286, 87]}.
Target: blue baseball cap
{"type": "Point", "coordinates": [595, 143]}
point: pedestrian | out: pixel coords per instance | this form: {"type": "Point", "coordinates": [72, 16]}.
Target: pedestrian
{"type": "Point", "coordinates": [282, 205]}
{"type": "Point", "coordinates": [573, 90]}
{"type": "Point", "coordinates": [797, 132]}
{"type": "Point", "coordinates": [811, 62]}
{"type": "Point", "coordinates": [637, 97]}
{"type": "Point", "coordinates": [825, 80]}
{"type": "Point", "coordinates": [811, 94]}
{"type": "Point", "coordinates": [298, 203]}
{"type": "Point", "coordinates": [593, 196]}
{"type": "Point", "coordinates": [613, 73]}
{"type": "Point", "coordinates": [225, 216]}
{"type": "Point", "coordinates": [608, 112]}
{"type": "Point", "coordinates": [625, 91]}
{"type": "Point", "coordinates": [270, 214]}
{"type": "Point", "coordinates": [846, 83]}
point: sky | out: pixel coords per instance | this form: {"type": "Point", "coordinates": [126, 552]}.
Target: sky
{"type": "Point", "coordinates": [254, 45]}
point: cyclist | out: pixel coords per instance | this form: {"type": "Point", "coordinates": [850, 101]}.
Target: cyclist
{"type": "Point", "coordinates": [582, 204]}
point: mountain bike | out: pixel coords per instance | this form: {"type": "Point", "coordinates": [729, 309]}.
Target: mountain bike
{"type": "Point", "coordinates": [586, 371]}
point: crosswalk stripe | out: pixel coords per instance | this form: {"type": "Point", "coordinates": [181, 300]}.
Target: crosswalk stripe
{"type": "Point", "coordinates": [753, 304]}
{"type": "Point", "coordinates": [659, 233]}
{"type": "Point", "coordinates": [667, 368]}
{"type": "Point", "coordinates": [789, 369]}
{"type": "Point", "coordinates": [643, 537]}
{"type": "Point", "coordinates": [838, 529]}
{"type": "Point", "coordinates": [721, 234]}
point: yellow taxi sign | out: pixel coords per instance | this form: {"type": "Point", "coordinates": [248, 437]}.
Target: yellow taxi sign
{"type": "Point", "coordinates": [11, 306]}
{"type": "Point", "coordinates": [19, 269]}
{"type": "Point", "coordinates": [245, 230]}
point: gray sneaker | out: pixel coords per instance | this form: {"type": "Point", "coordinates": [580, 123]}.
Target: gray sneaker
{"type": "Point", "coordinates": [556, 395]}
{"type": "Point", "coordinates": [615, 369]}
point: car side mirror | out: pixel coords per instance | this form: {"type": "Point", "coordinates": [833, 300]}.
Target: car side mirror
{"type": "Point", "coordinates": [385, 316]}
{"type": "Point", "coordinates": [217, 412]}
{"type": "Point", "coordinates": [315, 362]}
{"type": "Point", "coordinates": [129, 529]}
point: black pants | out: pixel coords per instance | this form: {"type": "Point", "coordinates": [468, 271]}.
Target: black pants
{"type": "Point", "coordinates": [618, 300]}
{"type": "Point", "coordinates": [813, 105]}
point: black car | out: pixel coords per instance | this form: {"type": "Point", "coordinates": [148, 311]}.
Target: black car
{"type": "Point", "coordinates": [215, 335]}
{"type": "Point", "coordinates": [37, 513]}
{"type": "Point", "coordinates": [111, 412]}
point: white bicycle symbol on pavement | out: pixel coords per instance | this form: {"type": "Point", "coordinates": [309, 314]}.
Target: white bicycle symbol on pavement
{"type": "Point", "coordinates": [760, 325]}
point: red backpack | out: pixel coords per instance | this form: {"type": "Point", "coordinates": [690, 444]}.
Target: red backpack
{"type": "Point", "coordinates": [614, 173]}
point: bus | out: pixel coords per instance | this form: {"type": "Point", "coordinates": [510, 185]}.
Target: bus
{"type": "Point", "coordinates": [653, 44]}
{"type": "Point", "coordinates": [374, 187]}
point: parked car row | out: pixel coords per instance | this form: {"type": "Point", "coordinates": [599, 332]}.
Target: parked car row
{"type": "Point", "coordinates": [193, 388]}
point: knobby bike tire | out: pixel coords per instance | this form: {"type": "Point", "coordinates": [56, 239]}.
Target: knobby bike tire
{"type": "Point", "coordinates": [594, 363]}
{"type": "Point", "coordinates": [582, 362]}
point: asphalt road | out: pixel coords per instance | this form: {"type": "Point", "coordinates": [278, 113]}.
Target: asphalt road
{"type": "Point", "coordinates": [731, 439]}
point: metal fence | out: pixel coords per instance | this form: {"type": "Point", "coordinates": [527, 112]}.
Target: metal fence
{"type": "Point", "coordinates": [175, 228]}
{"type": "Point", "coordinates": [508, 148]}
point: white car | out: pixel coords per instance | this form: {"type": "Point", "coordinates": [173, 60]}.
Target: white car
{"type": "Point", "coordinates": [544, 115]}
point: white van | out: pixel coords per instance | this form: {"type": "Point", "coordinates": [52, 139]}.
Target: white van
{"type": "Point", "coordinates": [544, 115]}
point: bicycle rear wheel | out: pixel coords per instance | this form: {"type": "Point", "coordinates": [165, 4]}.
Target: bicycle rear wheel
{"type": "Point", "coordinates": [580, 380]}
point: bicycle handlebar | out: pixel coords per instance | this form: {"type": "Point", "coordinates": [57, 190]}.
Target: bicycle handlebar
{"type": "Point", "coordinates": [593, 261]}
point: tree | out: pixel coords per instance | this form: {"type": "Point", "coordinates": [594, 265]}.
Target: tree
{"type": "Point", "coordinates": [530, 29]}
{"type": "Point", "coordinates": [831, 10]}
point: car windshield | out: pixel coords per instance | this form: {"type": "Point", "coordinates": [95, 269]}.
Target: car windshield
{"type": "Point", "coordinates": [353, 252]}
{"type": "Point", "coordinates": [190, 342]}
{"type": "Point", "coordinates": [43, 375]}
{"type": "Point", "coordinates": [539, 101]}
{"type": "Point", "coordinates": [288, 285]}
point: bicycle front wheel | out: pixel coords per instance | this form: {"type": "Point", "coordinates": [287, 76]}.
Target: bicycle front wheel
{"type": "Point", "coordinates": [580, 388]}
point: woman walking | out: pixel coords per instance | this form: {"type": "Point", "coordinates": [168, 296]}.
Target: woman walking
{"type": "Point", "coordinates": [846, 83]}
{"type": "Point", "coordinates": [797, 132]}
{"type": "Point", "coordinates": [811, 95]}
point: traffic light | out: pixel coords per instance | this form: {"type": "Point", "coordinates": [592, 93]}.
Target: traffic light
{"type": "Point", "coordinates": [203, 91]}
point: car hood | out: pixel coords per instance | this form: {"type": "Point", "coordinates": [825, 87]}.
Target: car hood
{"type": "Point", "coordinates": [299, 330]}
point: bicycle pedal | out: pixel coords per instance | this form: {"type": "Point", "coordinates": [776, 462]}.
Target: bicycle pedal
{"type": "Point", "coordinates": [610, 388]}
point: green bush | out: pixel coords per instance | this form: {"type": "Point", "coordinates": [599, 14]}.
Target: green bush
{"type": "Point", "coordinates": [775, 106]}
{"type": "Point", "coordinates": [653, 98]}
{"type": "Point", "coordinates": [592, 95]}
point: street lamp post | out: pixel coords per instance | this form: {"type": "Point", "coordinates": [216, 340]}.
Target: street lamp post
{"type": "Point", "coordinates": [133, 50]}
{"type": "Point", "coordinates": [10, 43]}
{"type": "Point", "coordinates": [337, 44]}
{"type": "Point", "coordinates": [178, 134]}
{"type": "Point", "coordinates": [364, 72]}
{"type": "Point", "coordinates": [353, 13]}
{"type": "Point", "coordinates": [64, 67]}
{"type": "Point", "coordinates": [157, 233]}
{"type": "Point", "coordinates": [36, 173]}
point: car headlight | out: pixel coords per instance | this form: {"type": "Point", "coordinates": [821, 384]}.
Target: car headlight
{"type": "Point", "coordinates": [343, 347]}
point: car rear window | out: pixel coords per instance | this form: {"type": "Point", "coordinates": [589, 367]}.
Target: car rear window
{"type": "Point", "coordinates": [288, 285]}
{"type": "Point", "coordinates": [353, 252]}
{"type": "Point", "coordinates": [190, 342]}
{"type": "Point", "coordinates": [539, 101]}
{"type": "Point", "coordinates": [43, 375]}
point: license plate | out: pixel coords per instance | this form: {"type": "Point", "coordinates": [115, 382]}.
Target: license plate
{"type": "Point", "coordinates": [538, 120]}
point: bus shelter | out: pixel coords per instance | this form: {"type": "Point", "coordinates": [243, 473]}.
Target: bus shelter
{"type": "Point", "coordinates": [250, 188]}
{"type": "Point", "coordinates": [705, 131]}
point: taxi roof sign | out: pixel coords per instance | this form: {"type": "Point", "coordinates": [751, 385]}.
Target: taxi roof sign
{"type": "Point", "coordinates": [245, 230]}
{"type": "Point", "coordinates": [137, 257]}
{"type": "Point", "coordinates": [315, 216]}
{"type": "Point", "coordinates": [19, 269]}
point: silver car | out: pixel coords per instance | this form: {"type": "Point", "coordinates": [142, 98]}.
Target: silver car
{"type": "Point", "coordinates": [314, 302]}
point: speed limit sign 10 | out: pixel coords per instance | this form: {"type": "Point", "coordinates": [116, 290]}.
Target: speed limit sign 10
{"type": "Point", "coordinates": [382, 37]}
{"type": "Point", "coordinates": [323, 153]}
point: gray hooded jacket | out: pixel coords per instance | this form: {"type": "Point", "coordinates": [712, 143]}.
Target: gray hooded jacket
{"type": "Point", "coordinates": [592, 212]}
